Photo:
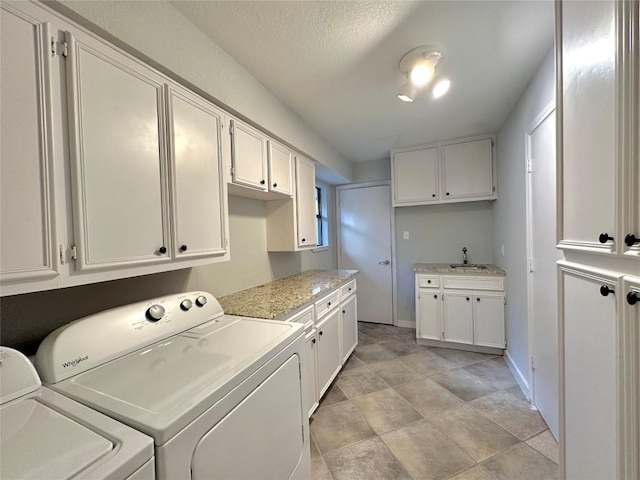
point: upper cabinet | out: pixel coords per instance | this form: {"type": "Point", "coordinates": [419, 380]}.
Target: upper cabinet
{"type": "Point", "coordinates": [248, 156]}
{"type": "Point", "coordinates": [280, 169]}
{"type": "Point", "coordinates": [305, 201]}
{"type": "Point", "coordinates": [598, 105]}
{"type": "Point", "coordinates": [117, 138]}
{"type": "Point", "coordinates": [28, 233]}
{"type": "Point", "coordinates": [444, 172]}
{"type": "Point", "coordinates": [198, 188]}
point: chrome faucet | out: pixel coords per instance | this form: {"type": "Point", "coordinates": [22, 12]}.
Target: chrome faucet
{"type": "Point", "coordinates": [464, 255]}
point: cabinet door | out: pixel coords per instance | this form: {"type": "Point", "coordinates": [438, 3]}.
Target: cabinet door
{"type": "Point", "coordinates": [588, 90]}
{"type": "Point", "coordinates": [329, 357]}
{"type": "Point", "coordinates": [488, 320]}
{"type": "Point", "coordinates": [309, 371]}
{"type": "Point", "coordinates": [118, 162]}
{"type": "Point", "coordinates": [280, 169]}
{"type": "Point", "coordinates": [248, 156]}
{"type": "Point", "coordinates": [589, 402]}
{"type": "Point", "coordinates": [467, 169]}
{"type": "Point", "coordinates": [458, 317]}
{"type": "Point", "coordinates": [199, 200]}
{"type": "Point", "coordinates": [349, 323]}
{"type": "Point", "coordinates": [415, 176]}
{"type": "Point", "coordinates": [429, 315]}
{"type": "Point", "coordinates": [27, 236]}
{"type": "Point", "coordinates": [305, 202]}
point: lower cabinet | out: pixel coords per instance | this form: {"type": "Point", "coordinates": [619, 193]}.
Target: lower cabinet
{"type": "Point", "coordinates": [451, 309]}
{"type": "Point", "coordinates": [328, 353]}
{"type": "Point", "coordinates": [309, 364]}
{"type": "Point", "coordinates": [349, 326]}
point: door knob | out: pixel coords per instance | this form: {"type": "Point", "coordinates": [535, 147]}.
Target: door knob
{"type": "Point", "coordinates": [386, 262]}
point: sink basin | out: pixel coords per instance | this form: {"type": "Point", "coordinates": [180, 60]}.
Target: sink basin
{"type": "Point", "coordinates": [463, 266]}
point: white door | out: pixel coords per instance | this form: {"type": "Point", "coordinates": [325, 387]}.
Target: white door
{"type": "Point", "coordinates": [365, 245]}
{"type": "Point", "coordinates": [543, 276]}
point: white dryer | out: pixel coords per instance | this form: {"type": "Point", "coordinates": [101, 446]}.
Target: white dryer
{"type": "Point", "coordinates": [221, 396]}
{"type": "Point", "coordinates": [47, 435]}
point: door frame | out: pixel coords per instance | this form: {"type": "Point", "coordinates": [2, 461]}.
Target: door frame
{"type": "Point", "coordinates": [392, 225]}
{"type": "Point", "coordinates": [541, 117]}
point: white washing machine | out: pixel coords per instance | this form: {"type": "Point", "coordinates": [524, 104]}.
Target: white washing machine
{"type": "Point", "coordinates": [45, 435]}
{"type": "Point", "coordinates": [221, 396]}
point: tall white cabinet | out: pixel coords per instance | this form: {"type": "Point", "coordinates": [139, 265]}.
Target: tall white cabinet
{"type": "Point", "coordinates": [598, 231]}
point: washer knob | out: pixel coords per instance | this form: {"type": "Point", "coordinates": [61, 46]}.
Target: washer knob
{"type": "Point", "coordinates": [201, 301]}
{"type": "Point", "coordinates": [186, 304]}
{"type": "Point", "coordinates": [155, 312]}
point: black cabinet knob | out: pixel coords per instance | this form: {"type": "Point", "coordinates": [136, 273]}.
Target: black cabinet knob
{"type": "Point", "coordinates": [313, 340]}
{"type": "Point", "coordinates": [344, 312]}
{"type": "Point", "coordinates": [604, 237]}
{"type": "Point", "coordinates": [632, 298]}
{"type": "Point", "coordinates": [304, 240]}
{"type": "Point", "coordinates": [328, 304]}
{"type": "Point", "coordinates": [261, 182]}
{"type": "Point", "coordinates": [605, 290]}
{"type": "Point", "coordinates": [478, 299]}
{"type": "Point", "coordinates": [183, 248]}
{"type": "Point", "coordinates": [435, 296]}
{"type": "Point", "coordinates": [162, 250]}
{"type": "Point", "coordinates": [631, 239]}
{"type": "Point", "coordinates": [320, 333]}
{"type": "Point", "coordinates": [433, 195]}
{"type": "Point", "coordinates": [467, 299]}
{"type": "Point", "coordinates": [428, 281]}
{"type": "Point", "coordinates": [447, 193]}
{"type": "Point", "coordinates": [275, 185]}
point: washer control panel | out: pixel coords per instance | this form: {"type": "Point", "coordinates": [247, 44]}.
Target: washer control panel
{"type": "Point", "coordinates": [99, 338]}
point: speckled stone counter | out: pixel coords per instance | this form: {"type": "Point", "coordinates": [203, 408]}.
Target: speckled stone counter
{"type": "Point", "coordinates": [274, 300]}
{"type": "Point", "coordinates": [447, 269]}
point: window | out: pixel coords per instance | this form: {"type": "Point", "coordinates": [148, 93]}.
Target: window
{"type": "Point", "coordinates": [321, 216]}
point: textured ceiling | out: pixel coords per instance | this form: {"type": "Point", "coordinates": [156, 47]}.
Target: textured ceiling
{"type": "Point", "coordinates": [335, 63]}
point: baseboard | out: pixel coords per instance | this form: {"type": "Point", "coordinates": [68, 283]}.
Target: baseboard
{"type": "Point", "coordinates": [520, 378]}
{"type": "Point", "coordinates": [406, 323]}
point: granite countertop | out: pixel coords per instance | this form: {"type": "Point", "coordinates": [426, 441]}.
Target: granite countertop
{"type": "Point", "coordinates": [446, 269]}
{"type": "Point", "coordinates": [274, 300]}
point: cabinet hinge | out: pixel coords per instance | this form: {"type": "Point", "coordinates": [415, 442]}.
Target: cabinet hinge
{"type": "Point", "coordinates": [74, 252]}
{"type": "Point", "coordinates": [505, 300]}
{"type": "Point", "coordinates": [61, 252]}
{"type": "Point", "coordinates": [59, 48]}
{"type": "Point", "coordinates": [231, 127]}
{"type": "Point", "coordinates": [493, 144]}
{"type": "Point", "coordinates": [530, 264]}
{"type": "Point", "coordinates": [533, 362]}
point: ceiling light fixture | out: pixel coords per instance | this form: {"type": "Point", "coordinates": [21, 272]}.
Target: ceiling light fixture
{"type": "Point", "coordinates": [407, 92]}
{"type": "Point", "coordinates": [420, 65]}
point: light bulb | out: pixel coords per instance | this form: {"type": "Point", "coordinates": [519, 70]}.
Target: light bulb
{"type": "Point", "coordinates": [407, 93]}
{"type": "Point", "coordinates": [441, 87]}
{"type": "Point", "coordinates": [421, 74]}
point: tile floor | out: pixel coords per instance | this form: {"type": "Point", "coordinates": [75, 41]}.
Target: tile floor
{"type": "Point", "coordinates": [399, 410]}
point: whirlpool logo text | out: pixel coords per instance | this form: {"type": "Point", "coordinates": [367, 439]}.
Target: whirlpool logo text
{"type": "Point", "coordinates": [74, 363]}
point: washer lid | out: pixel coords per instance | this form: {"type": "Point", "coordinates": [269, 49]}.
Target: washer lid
{"type": "Point", "coordinates": [161, 389]}
{"type": "Point", "coordinates": [18, 377]}
{"type": "Point", "coordinates": [37, 442]}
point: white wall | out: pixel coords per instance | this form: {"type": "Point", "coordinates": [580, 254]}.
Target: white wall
{"type": "Point", "coordinates": [509, 210]}
{"type": "Point", "coordinates": [174, 45]}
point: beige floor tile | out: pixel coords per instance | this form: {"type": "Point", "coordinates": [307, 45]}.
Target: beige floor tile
{"type": "Point", "coordinates": [403, 348]}
{"type": "Point", "coordinates": [339, 425]}
{"type": "Point", "coordinates": [523, 463]}
{"type": "Point", "coordinates": [359, 381]}
{"type": "Point", "coordinates": [374, 353]}
{"type": "Point", "coordinates": [461, 358]}
{"type": "Point", "coordinates": [546, 444]}
{"type": "Point", "coordinates": [478, 436]}
{"type": "Point", "coordinates": [517, 391]}
{"type": "Point", "coordinates": [352, 362]}
{"type": "Point", "coordinates": [395, 372]}
{"type": "Point", "coordinates": [494, 372]}
{"type": "Point", "coordinates": [427, 363]}
{"type": "Point", "coordinates": [366, 460]}
{"type": "Point", "coordinates": [332, 396]}
{"type": "Point", "coordinates": [426, 452]}
{"type": "Point", "coordinates": [475, 473]}
{"type": "Point", "coordinates": [429, 398]}
{"type": "Point", "coordinates": [385, 410]}
{"type": "Point", "coordinates": [511, 413]}
{"type": "Point", "coordinates": [463, 384]}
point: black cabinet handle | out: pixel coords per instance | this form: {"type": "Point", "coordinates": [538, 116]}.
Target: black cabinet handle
{"type": "Point", "coordinates": [435, 296]}
{"type": "Point", "coordinates": [447, 193]}
{"type": "Point", "coordinates": [304, 240]}
{"type": "Point", "coordinates": [604, 237]}
{"type": "Point", "coordinates": [313, 341]}
{"type": "Point", "coordinates": [183, 248]}
{"type": "Point", "coordinates": [275, 185]}
{"type": "Point", "coordinates": [632, 298]}
{"type": "Point", "coordinates": [162, 250]}
{"type": "Point", "coordinates": [261, 182]}
{"type": "Point", "coordinates": [467, 299]}
{"type": "Point", "coordinates": [478, 299]}
{"type": "Point", "coordinates": [433, 195]}
{"type": "Point", "coordinates": [349, 288]}
{"type": "Point", "coordinates": [605, 291]}
{"type": "Point", "coordinates": [631, 239]}
{"type": "Point", "coordinates": [428, 281]}
{"type": "Point", "coordinates": [344, 312]}
{"type": "Point", "coordinates": [320, 333]}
